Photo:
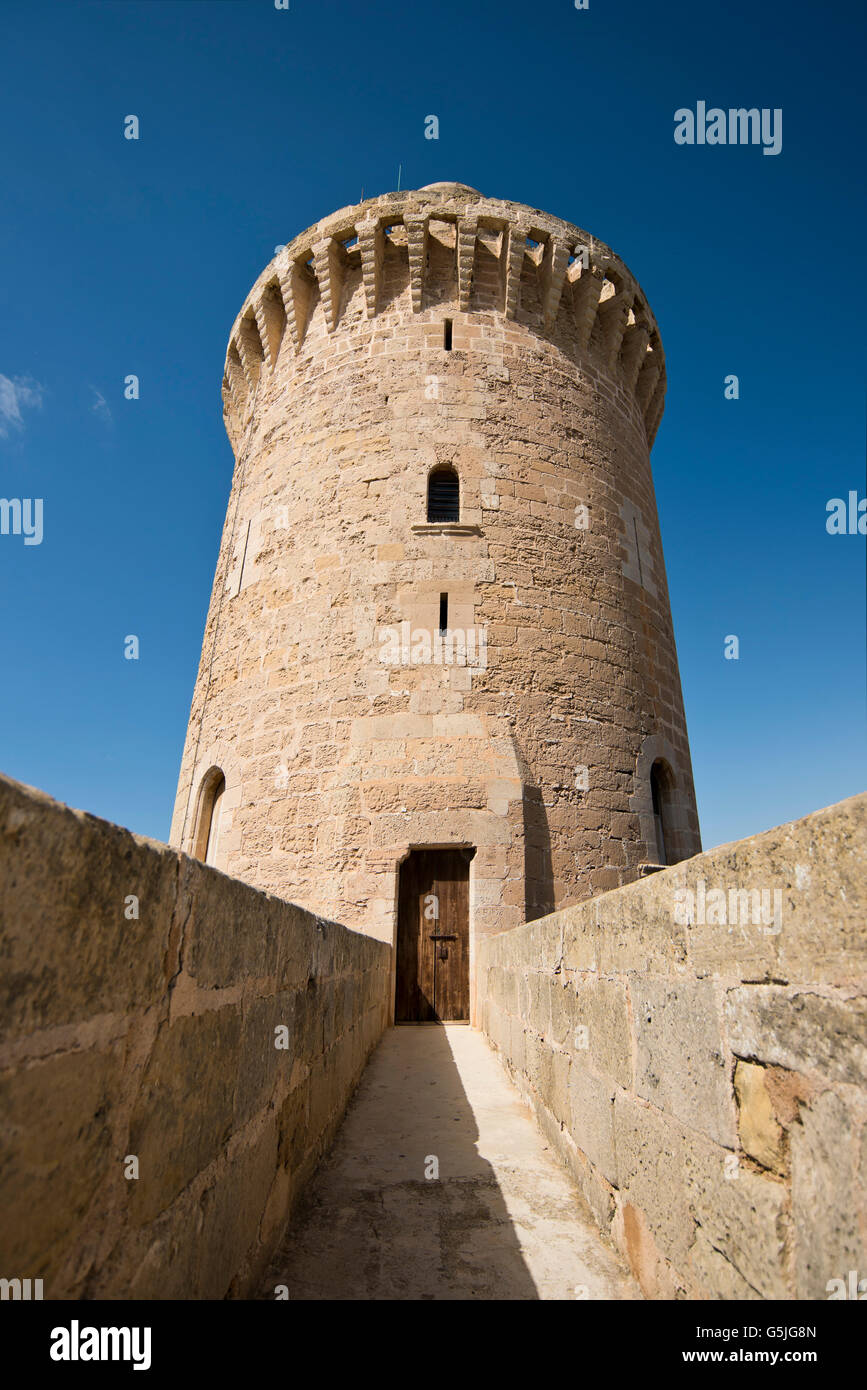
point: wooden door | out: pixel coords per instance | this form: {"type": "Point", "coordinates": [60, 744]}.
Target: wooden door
{"type": "Point", "coordinates": [433, 937]}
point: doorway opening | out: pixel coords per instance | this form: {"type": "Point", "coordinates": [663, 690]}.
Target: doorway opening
{"type": "Point", "coordinates": [433, 937]}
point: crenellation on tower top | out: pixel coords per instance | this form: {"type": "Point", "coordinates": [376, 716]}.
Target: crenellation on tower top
{"type": "Point", "coordinates": [573, 273]}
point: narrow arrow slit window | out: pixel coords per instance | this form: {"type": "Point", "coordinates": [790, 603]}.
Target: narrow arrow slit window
{"type": "Point", "coordinates": [444, 613]}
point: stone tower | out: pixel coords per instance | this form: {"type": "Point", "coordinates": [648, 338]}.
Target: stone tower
{"type": "Point", "coordinates": [441, 407]}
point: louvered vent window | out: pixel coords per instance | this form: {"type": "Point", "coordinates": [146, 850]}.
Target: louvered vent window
{"type": "Point", "coordinates": [443, 495]}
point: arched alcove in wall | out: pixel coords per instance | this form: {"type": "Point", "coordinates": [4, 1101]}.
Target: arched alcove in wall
{"type": "Point", "coordinates": [206, 841]}
{"type": "Point", "coordinates": [661, 796]}
{"type": "Point", "coordinates": [665, 815]}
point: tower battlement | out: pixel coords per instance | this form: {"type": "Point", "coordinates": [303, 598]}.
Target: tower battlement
{"type": "Point", "coordinates": [449, 245]}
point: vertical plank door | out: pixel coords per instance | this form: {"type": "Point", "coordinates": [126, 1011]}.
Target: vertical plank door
{"type": "Point", "coordinates": [433, 965]}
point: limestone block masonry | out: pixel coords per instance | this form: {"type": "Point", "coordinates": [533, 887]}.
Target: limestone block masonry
{"type": "Point", "coordinates": [148, 1032]}
{"type": "Point", "coordinates": [702, 1071]}
{"type": "Point", "coordinates": [418, 331]}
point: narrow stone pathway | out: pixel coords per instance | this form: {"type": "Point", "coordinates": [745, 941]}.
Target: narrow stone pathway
{"type": "Point", "coordinates": [502, 1220]}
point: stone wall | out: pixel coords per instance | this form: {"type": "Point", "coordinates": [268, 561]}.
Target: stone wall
{"type": "Point", "coordinates": [153, 1036]}
{"type": "Point", "coordinates": [702, 1074]}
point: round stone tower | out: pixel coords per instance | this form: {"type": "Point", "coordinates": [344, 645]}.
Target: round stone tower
{"type": "Point", "coordinates": [440, 618]}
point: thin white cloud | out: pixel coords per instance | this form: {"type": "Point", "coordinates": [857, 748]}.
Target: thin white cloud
{"type": "Point", "coordinates": [17, 393]}
{"type": "Point", "coordinates": [101, 408]}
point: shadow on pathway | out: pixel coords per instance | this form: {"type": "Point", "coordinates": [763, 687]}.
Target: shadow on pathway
{"type": "Point", "coordinates": [501, 1221]}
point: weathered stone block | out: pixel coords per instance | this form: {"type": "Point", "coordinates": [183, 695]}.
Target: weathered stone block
{"type": "Point", "coordinates": [713, 1275]}
{"type": "Point", "coordinates": [559, 1103]}
{"type": "Point", "coordinates": [600, 1007]}
{"type": "Point", "coordinates": [821, 939]}
{"type": "Point", "coordinates": [260, 1060]}
{"type": "Point", "coordinates": [827, 1197]}
{"type": "Point", "coordinates": [539, 1015]}
{"type": "Point", "coordinates": [269, 939]}
{"type": "Point", "coordinates": [68, 949]}
{"type": "Point", "coordinates": [680, 1056]}
{"type": "Point", "coordinates": [800, 1030]}
{"type": "Point", "coordinates": [293, 1127]}
{"type": "Point", "coordinates": [744, 1216]}
{"type": "Point", "coordinates": [760, 1132]}
{"type": "Point", "coordinates": [231, 1213]}
{"type": "Point", "coordinates": [591, 1120]}
{"type": "Point", "coordinates": [58, 1166]}
{"type": "Point", "coordinates": [638, 932]}
{"type": "Point", "coordinates": [561, 1011]}
{"type": "Point", "coordinates": [183, 1112]}
{"type": "Point", "coordinates": [580, 938]}
{"type": "Point", "coordinates": [651, 1167]}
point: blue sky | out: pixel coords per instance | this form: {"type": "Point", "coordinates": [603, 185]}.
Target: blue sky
{"type": "Point", "coordinates": [134, 257]}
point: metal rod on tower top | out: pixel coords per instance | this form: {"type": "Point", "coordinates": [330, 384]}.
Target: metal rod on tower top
{"type": "Point", "coordinates": [399, 171]}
